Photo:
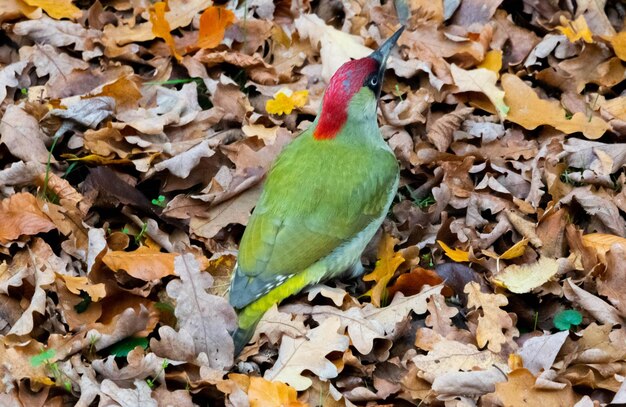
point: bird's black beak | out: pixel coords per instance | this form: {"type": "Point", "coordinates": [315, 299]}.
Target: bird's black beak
{"type": "Point", "coordinates": [382, 53]}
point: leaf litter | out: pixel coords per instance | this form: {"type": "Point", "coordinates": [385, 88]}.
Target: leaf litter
{"type": "Point", "coordinates": [134, 139]}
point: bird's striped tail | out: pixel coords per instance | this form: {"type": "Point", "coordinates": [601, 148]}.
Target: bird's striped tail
{"type": "Point", "coordinates": [250, 315]}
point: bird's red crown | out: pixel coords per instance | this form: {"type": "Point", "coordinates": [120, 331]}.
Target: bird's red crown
{"type": "Point", "coordinates": [347, 81]}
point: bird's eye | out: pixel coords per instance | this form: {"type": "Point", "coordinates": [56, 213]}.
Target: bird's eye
{"type": "Point", "coordinates": [374, 81]}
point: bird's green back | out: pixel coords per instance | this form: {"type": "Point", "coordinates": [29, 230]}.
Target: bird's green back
{"type": "Point", "coordinates": [318, 195]}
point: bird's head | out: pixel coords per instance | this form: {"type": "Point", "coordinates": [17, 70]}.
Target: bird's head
{"type": "Point", "coordinates": [357, 81]}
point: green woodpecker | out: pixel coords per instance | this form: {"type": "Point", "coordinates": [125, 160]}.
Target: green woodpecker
{"type": "Point", "coordinates": [323, 200]}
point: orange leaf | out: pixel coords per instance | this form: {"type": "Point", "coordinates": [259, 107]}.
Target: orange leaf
{"type": "Point", "coordinates": [413, 282]}
{"type": "Point", "coordinates": [530, 111]}
{"type": "Point", "coordinates": [78, 284]}
{"type": "Point", "coordinates": [263, 393]}
{"type": "Point", "coordinates": [161, 27]}
{"type": "Point", "coordinates": [57, 9]}
{"type": "Point", "coordinates": [125, 92]}
{"type": "Point", "coordinates": [20, 215]}
{"type": "Point", "coordinates": [388, 262]}
{"type": "Point", "coordinates": [457, 255]}
{"type": "Point", "coordinates": [213, 24]}
{"type": "Point", "coordinates": [145, 263]}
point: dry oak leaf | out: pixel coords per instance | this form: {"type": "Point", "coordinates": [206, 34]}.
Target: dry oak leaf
{"type": "Point", "coordinates": [180, 14]}
{"type": "Point", "coordinates": [57, 8]}
{"type": "Point", "coordinates": [146, 263]}
{"type": "Point", "coordinates": [22, 135]}
{"type": "Point", "coordinates": [452, 356]}
{"type": "Point", "coordinates": [44, 261]}
{"type": "Point", "coordinates": [133, 397]}
{"type": "Point", "coordinates": [9, 77]}
{"type": "Point", "coordinates": [526, 277]}
{"type": "Point", "coordinates": [161, 27]}
{"type": "Point", "coordinates": [78, 284]}
{"type": "Point", "coordinates": [495, 326]}
{"type": "Point", "coordinates": [297, 355]}
{"type": "Point", "coordinates": [263, 393]}
{"type": "Point", "coordinates": [275, 324]}
{"type": "Point", "coordinates": [530, 111]}
{"type": "Point", "coordinates": [208, 318]}
{"type": "Point", "coordinates": [213, 24]}
{"type": "Point", "coordinates": [336, 47]}
{"type": "Point", "coordinates": [480, 80]}
{"type": "Point", "coordinates": [519, 390]}
{"type": "Point", "coordinates": [20, 214]}
{"type": "Point", "coordinates": [386, 266]}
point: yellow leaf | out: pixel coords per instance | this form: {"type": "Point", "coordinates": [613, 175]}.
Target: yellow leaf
{"type": "Point", "coordinates": [78, 284]}
{"type": "Point", "coordinates": [213, 24]}
{"type": "Point", "coordinates": [618, 42]}
{"type": "Point", "coordinates": [263, 393]}
{"type": "Point", "coordinates": [145, 263]}
{"type": "Point", "coordinates": [514, 251]}
{"type": "Point", "coordinates": [285, 101]}
{"type": "Point", "coordinates": [57, 9]}
{"type": "Point", "coordinates": [480, 80]}
{"type": "Point", "coordinates": [530, 111]}
{"type": "Point", "coordinates": [161, 27]}
{"type": "Point", "coordinates": [576, 30]}
{"type": "Point", "coordinates": [515, 361]}
{"type": "Point", "coordinates": [457, 255]}
{"type": "Point", "coordinates": [492, 61]}
{"type": "Point", "coordinates": [524, 278]}
{"type": "Point", "coordinates": [388, 262]}
{"type": "Point", "coordinates": [96, 159]}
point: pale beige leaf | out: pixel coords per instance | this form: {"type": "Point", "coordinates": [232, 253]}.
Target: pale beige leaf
{"type": "Point", "coordinates": [452, 356]}
{"type": "Point", "coordinates": [540, 352]}
{"type": "Point", "coordinates": [43, 260]}
{"type": "Point", "coordinates": [208, 318]}
{"type": "Point", "coordinates": [26, 140]}
{"type": "Point", "coordinates": [598, 308]}
{"type": "Point", "coordinates": [133, 397]}
{"type": "Point", "coordinates": [526, 277]}
{"type": "Point", "coordinates": [336, 47]}
{"type": "Point", "coordinates": [297, 355]}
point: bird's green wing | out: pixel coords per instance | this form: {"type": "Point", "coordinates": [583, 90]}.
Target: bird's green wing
{"type": "Point", "coordinates": [314, 200]}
